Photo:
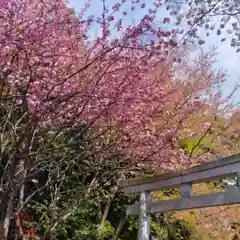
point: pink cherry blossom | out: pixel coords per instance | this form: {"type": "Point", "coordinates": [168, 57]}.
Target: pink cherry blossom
{"type": "Point", "coordinates": [116, 84]}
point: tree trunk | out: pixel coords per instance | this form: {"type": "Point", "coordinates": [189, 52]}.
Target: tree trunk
{"type": "Point", "coordinates": [21, 175]}
{"type": "Point", "coordinates": [120, 227]}
{"type": "Point", "coordinates": [17, 177]}
{"type": "Point", "coordinates": [2, 231]}
{"type": "Point", "coordinates": [105, 212]}
{"type": "Point", "coordinates": [107, 207]}
{"type": "Point", "coordinates": [8, 214]}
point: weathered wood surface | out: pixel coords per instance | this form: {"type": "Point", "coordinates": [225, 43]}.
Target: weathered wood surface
{"type": "Point", "coordinates": [201, 201]}
{"type": "Point", "coordinates": [220, 168]}
{"type": "Point", "coordinates": [144, 217]}
{"type": "Point", "coordinates": [186, 190]}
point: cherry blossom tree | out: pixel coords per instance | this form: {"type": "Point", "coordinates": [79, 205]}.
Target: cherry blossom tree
{"type": "Point", "coordinates": [219, 17]}
{"type": "Point", "coordinates": [132, 96]}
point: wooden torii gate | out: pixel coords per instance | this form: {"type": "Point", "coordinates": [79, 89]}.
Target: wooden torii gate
{"type": "Point", "coordinates": [225, 167]}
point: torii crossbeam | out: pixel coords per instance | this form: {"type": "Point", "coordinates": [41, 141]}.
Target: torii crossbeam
{"type": "Point", "coordinates": [225, 167]}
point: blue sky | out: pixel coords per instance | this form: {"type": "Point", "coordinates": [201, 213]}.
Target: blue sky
{"type": "Point", "coordinates": [227, 58]}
